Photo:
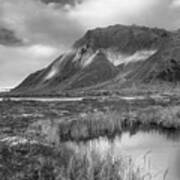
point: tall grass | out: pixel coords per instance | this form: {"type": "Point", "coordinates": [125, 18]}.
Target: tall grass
{"type": "Point", "coordinates": [110, 123]}
{"type": "Point", "coordinates": [39, 162]}
{"type": "Point", "coordinates": [91, 125]}
{"type": "Point", "coordinates": [47, 162]}
{"type": "Point", "coordinates": [164, 117]}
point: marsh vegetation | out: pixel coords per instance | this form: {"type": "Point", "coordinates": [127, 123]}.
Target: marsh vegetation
{"type": "Point", "coordinates": [34, 135]}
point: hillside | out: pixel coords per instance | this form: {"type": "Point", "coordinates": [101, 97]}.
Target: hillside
{"type": "Point", "coordinates": [116, 54]}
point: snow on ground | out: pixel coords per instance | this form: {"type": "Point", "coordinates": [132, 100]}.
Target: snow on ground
{"type": "Point", "coordinates": [16, 140]}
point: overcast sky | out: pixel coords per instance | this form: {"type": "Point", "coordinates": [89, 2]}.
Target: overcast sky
{"type": "Point", "coordinates": [40, 30]}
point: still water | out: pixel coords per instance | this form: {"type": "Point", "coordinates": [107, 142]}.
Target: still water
{"type": "Point", "coordinates": [54, 99]}
{"type": "Point", "coordinates": [153, 152]}
{"type": "Point", "coordinates": [63, 99]}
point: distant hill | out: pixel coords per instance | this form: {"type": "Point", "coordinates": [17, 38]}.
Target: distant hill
{"type": "Point", "coordinates": [116, 54]}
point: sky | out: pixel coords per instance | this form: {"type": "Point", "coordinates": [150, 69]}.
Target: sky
{"type": "Point", "coordinates": [34, 32]}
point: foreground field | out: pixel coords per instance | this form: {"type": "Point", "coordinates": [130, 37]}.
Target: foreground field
{"type": "Point", "coordinates": [31, 161]}
{"type": "Point", "coordinates": [32, 136]}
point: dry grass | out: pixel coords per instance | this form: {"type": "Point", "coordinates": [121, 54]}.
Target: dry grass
{"type": "Point", "coordinates": [110, 123]}
{"type": "Point", "coordinates": [165, 117]}
{"type": "Point", "coordinates": [39, 162]}
{"type": "Point", "coordinates": [91, 125]}
{"type": "Point", "coordinates": [42, 162]}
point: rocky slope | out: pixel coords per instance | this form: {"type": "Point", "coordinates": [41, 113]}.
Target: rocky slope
{"type": "Point", "coordinates": [116, 54]}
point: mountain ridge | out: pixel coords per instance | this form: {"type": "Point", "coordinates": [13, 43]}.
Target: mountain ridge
{"type": "Point", "coordinates": [127, 53]}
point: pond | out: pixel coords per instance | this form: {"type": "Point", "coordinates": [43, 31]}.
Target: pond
{"type": "Point", "coordinates": [42, 99]}
{"type": "Point", "coordinates": [154, 152]}
{"type": "Point", "coordinates": [64, 99]}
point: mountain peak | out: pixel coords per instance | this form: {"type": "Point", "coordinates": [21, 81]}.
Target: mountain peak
{"type": "Point", "coordinates": [125, 38]}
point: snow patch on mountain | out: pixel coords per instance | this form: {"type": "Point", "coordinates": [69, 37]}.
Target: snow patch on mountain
{"type": "Point", "coordinates": [86, 62]}
{"type": "Point", "coordinates": [84, 57]}
{"type": "Point", "coordinates": [52, 73]}
{"type": "Point", "coordinates": [119, 58]}
{"type": "Point", "coordinates": [54, 70]}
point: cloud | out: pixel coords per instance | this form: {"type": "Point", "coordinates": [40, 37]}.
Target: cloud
{"type": "Point", "coordinates": [40, 23]}
{"type": "Point", "coordinates": [176, 3]}
{"type": "Point", "coordinates": [40, 50]}
{"type": "Point", "coordinates": [8, 38]}
{"type": "Point", "coordinates": [63, 2]}
{"type": "Point", "coordinates": [143, 12]}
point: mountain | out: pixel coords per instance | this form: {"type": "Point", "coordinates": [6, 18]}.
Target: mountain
{"type": "Point", "coordinates": [114, 55]}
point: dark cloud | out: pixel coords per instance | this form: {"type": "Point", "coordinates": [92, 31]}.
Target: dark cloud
{"type": "Point", "coordinates": [37, 22]}
{"type": "Point", "coordinates": [8, 38]}
{"type": "Point", "coordinates": [72, 2]}
{"type": "Point", "coordinates": [63, 2]}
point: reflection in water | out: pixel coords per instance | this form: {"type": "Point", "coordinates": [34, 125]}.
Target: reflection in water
{"type": "Point", "coordinates": [151, 151]}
